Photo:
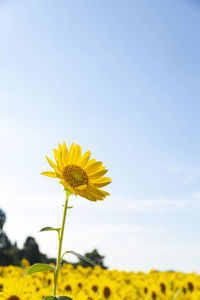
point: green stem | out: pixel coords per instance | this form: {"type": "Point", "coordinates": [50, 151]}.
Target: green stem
{"type": "Point", "coordinates": [60, 246]}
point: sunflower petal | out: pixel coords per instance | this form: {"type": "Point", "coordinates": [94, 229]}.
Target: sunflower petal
{"type": "Point", "coordinates": [93, 167]}
{"type": "Point", "coordinates": [104, 193]}
{"type": "Point", "coordinates": [90, 162]}
{"type": "Point", "coordinates": [84, 159]}
{"type": "Point", "coordinates": [88, 196]}
{"type": "Point", "coordinates": [103, 179]}
{"type": "Point", "coordinates": [60, 159]}
{"type": "Point", "coordinates": [64, 147]}
{"type": "Point", "coordinates": [99, 193]}
{"type": "Point", "coordinates": [49, 174]}
{"type": "Point", "coordinates": [81, 187]}
{"type": "Point", "coordinates": [65, 154]}
{"type": "Point", "coordinates": [78, 153]}
{"type": "Point", "coordinates": [71, 153]}
{"type": "Point", "coordinates": [100, 185]}
{"type": "Point", "coordinates": [51, 163]}
{"type": "Point", "coordinates": [59, 148]}
{"type": "Point", "coordinates": [55, 154]}
{"type": "Point", "coordinates": [101, 182]}
{"type": "Point", "coordinates": [98, 174]}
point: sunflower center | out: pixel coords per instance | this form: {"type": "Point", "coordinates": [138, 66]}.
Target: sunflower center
{"type": "Point", "coordinates": [75, 175]}
{"type": "Point", "coordinates": [13, 297]}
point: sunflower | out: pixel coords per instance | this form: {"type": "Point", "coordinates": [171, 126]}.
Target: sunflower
{"type": "Point", "coordinates": [78, 173]}
{"type": "Point", "coordinates": [15, 290]}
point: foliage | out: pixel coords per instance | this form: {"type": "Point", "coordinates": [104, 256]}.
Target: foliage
{"type": "Point", "coordinates": [2, 218]}
{"type": "Point", "coordinates": [95, 257]}
{"type": "Point", "coordinates": [4, 241]}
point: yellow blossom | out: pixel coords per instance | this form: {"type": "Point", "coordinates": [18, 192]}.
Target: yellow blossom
{"type": "Point", "coordinates": [78, 173]}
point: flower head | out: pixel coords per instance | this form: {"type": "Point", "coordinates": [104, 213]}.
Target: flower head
{"type": "Point", "coordinates": [78, 173]}
{"type": "Point", "coordinates": [15, 289]}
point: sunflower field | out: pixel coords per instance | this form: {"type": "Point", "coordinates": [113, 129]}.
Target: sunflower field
{"type": "Point", "coordinates": [97, 284]}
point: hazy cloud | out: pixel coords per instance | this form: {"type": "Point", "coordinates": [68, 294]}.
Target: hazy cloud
{"type": "Point", "coordinates": [189, 172]}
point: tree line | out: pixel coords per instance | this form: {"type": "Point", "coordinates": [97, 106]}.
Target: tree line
{"type": "Point", "coordinates": [10, 254]}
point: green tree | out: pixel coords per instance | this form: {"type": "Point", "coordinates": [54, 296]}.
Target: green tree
{"type": "Point", "coordinates": [95, 257]}
{"type": "Point", "coordinates": [2, 218]}
{"type": "Point", "coordinates": [4, 241]}
{"type": "Point", "coordinates": [5, 244]}
{"type": "Point", "coordinates": [31, 252]}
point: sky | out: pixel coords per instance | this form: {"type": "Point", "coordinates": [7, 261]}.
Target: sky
{"type": "Point", "coordinates": [119, 78]}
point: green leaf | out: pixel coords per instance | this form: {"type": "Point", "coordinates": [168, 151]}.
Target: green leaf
{"type": "Point", "coordinates": [50, 229]}
{"type": "Point", "coordinates": [80, 256]}
{"type": "Point", "coordinates": [69, 207]}
{"type": "Point", "coordinates": [57, 298]}
{"type": "Point", "coordinates": [39, 268]}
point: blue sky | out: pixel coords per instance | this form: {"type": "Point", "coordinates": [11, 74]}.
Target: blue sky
{"type": "Point", "coordinates": [121, 79]}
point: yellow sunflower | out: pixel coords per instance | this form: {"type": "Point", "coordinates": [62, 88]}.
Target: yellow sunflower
{"type": "Point", "coordinates": [15, 290]}
{"type": "Point", "coordinates": [78, 173]}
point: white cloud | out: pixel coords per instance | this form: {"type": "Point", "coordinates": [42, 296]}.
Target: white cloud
{"type": "Point", "coordinates": [149, 205]}
{"type": "Point", "coordinates": [196, 195]}
{"type": "Point", "coordinates": [190, 172]}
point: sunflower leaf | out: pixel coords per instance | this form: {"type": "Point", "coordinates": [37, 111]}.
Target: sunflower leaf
{"type": "Point", "coordinates": [69, 207]}
{"type": "Point", "coordinates": [50, 229]}
{"type": "Point", "coordinates": [81, 257]}
{"type": "Point", "coordinates": [39, 268]}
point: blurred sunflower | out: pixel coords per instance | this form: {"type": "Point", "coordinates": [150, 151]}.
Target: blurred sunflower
{"type": "Point", "coordinates": [15, 290]}
{"type": "Point", "coordinates": [78, 173]}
